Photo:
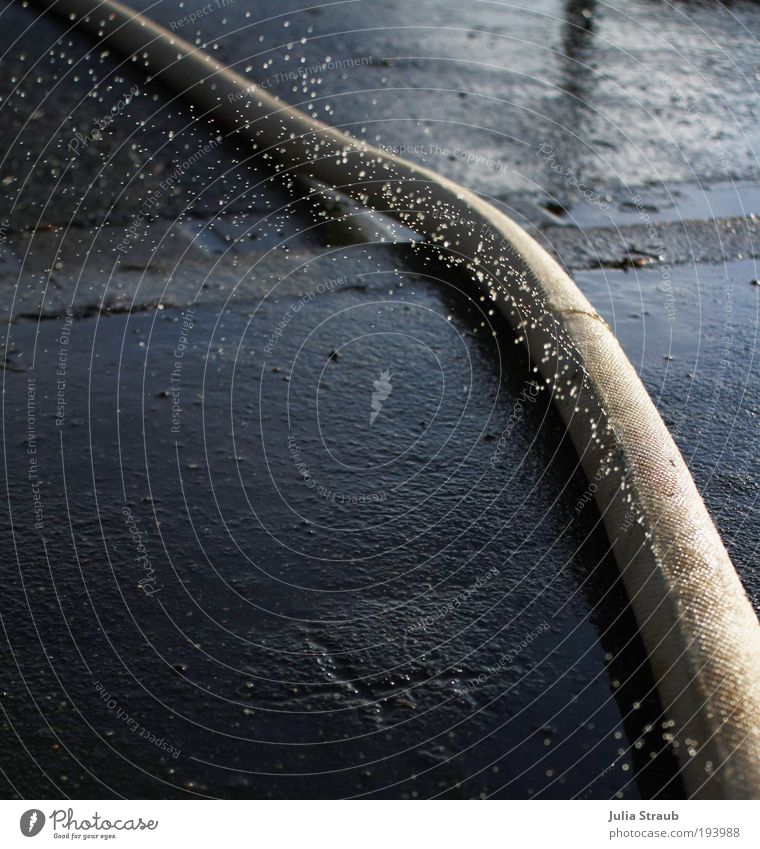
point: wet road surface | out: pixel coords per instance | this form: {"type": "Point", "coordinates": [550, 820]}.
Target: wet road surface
{"type": "Point", "coordinates": [224, 577]}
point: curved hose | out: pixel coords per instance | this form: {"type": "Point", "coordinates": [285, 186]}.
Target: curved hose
{"type": "Point", "coordinates": [698, 627]}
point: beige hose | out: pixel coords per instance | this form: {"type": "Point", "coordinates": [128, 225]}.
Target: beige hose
{"type": "Point", "coordinates": [699, 629]}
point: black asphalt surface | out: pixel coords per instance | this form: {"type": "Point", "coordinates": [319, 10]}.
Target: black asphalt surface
{"type": "Point", "coordinates": [221, 576]}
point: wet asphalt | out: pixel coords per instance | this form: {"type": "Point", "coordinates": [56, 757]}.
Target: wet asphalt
{"type": "Point", "coordinates": [222, 575]}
